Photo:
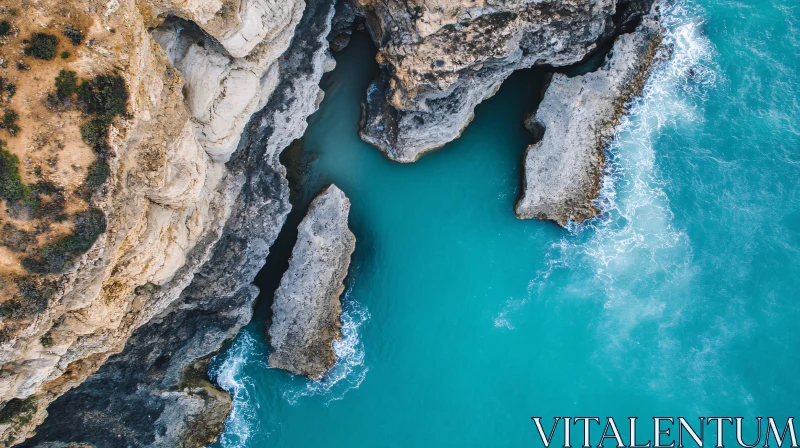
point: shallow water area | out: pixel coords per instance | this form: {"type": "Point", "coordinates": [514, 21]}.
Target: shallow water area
{"type": "Point", "coordinates": [461, 322]}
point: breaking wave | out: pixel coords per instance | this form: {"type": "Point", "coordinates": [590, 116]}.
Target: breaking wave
{"type": "Point", "coordinates": [229, 373]}
{"type": "Point", "coordinates": [233, 370]}
{"type": "Point", "coordinates": [349, 370]}
{"type": "Point", "coordinates": [631, 258]}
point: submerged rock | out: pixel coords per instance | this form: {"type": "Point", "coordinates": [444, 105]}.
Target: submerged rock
{"type": "Point", "coordinates": [575, 120]}
{"type": "Point", "coordinates": [440, 58]}
{"type": "Point", "coordinates": [307, 308]}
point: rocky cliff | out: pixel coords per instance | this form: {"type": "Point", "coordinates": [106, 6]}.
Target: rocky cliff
{"type": "Point", "coordinates": [440, 58]}
{"type": "Point", "coordinates": [576, 120]}
{"type": "Point", "coordinates": [191, 202]}
{"type": "Point", "coordinates": [306, 307]}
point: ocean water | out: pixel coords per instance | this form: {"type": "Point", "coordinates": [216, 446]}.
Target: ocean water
{"type": "Point", "coordinates": [461, 322]}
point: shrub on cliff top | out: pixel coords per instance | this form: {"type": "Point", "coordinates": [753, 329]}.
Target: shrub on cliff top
{"type": "Point", "coordinates": [5, 28]}
{"type": "Point", "coordinates": [73, 34]}
{"type": "Point", "coordinates": [96, 176]}
{"type": "Point", "coordinates": [94, 134]}
{"type": "Point", "coordinates": [104, 96]}
{"type": "Point", "coordinates": [17, 409]}
{"type": "Point", "coordinates": [58, 256]}
{"type": "Point", "coordinates": [9, 122]}
{"type": "Point", "coordinates": [42, 46]}
{"type": "Point", "coordinates": [11, 187]}
{"type": "Point", "coordinates": [66, 83]}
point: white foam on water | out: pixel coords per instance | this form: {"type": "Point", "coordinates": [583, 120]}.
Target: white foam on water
{"type": "Point", "coordinates": [246, 351]}
{"type": "Point", "coordinates": [349, 370]}
{"type": "Point", "coordinates": [242, 421]}
{"type": "Point", "coordinates": [633, 234]}
{"type": "Point", "coordinates": [636, 262]}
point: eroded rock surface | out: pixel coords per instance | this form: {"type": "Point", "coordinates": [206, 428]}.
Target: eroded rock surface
{"type": "Point", "coordinates": [576, 119]}
{"type": "Point", "coordinates": [440, 58]}
{"type": "Point", "coordinates": [307, 307]}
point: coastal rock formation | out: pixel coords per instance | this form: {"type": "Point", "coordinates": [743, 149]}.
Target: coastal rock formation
{"type": "Point", "coordinates": [440, 58]}
{"type": "Point", "coordinates": [115, 343]}
{"type": "Point", "coordinates": [156, 391]}
{"type": "Point", "coordinates": [194, 199]}
{"type": "Point", "coordinates": [576, 119]}
{"type": "Point", "coordinates": [306, 307]}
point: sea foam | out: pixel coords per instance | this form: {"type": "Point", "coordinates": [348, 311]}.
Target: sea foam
{"type": "Point", "coordinates": [248, 354]}
{"type": "Point", "coordinates": [349, 370]}
{"type": "Point", "coordinates": [228, 371]}
{"type": "Point", "coordinates": [631, 258]}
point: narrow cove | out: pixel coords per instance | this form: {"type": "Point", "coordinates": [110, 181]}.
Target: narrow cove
{"type": "Point", "coordinates": [461, 322]}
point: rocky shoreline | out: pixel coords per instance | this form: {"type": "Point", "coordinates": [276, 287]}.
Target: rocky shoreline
{"type": "Point", "coordinates": [439, 60]}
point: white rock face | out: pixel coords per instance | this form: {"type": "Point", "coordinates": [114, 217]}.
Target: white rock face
{"type": "Point", "coordinates": [578, 117]}
{"type": "Point", "coordinates": [223, 91]}
{"type": "Point", "coordinates": [238, 25]}
{"type": "Point", "coordinates": [307, 307]}
{"type": "Point", "coordinates": [182, 321]}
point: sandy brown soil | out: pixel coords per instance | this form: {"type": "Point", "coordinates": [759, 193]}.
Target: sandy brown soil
{"type": "Point", "coordinates": [49, 144]}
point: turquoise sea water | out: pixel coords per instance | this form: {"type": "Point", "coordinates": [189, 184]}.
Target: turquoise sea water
{"type": "Point", "coordinates": [461, 322]}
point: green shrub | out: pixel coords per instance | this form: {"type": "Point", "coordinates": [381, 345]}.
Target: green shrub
{"type": "Point", "coordinates": [17, 409]}
{"type": "Point", "coordinates": [96, 176]}
{"type": "Point", "coordinates": [65, 55]}
{"type": "Point", "coordinates": [66, 84]}
{"type": "Point", "coordinates": [17, 240]}
{"type": "Point", "coordinates": [94, 134]}
{"type": "Point", "coordinates": [73, 34]}
{"type": "Point", "coordinates": [42, 46]}
{"type": "Point", "coordinates": [36, 294]}
{"type": "Point", "coordinates": [5, 28]}
{"type": "Point", "coordinates": [9, 122]}
{"type": "Point", "coordinates": [104, 96]}
{"type": "Point", "coordinates": [11, 88]}
{"type": "Point", "coordinates": [11, 187]}
{"type": "Point", "coordinates": [58, 256]}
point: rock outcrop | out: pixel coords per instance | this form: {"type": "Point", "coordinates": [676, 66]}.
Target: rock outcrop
{"type": "Point", "coordinates": [194, 200]}
{"type": "Point", "coordinates": [307, 308]}
{"type": "Point", "coordinates": [440, 58]}
{"type": "Point", "coordinates": [576, 119]}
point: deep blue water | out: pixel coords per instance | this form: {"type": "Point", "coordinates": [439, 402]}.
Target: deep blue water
{"type": "Point", "coordinates": [461, 322]}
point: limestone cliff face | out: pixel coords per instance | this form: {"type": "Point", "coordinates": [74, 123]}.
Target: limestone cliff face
{"type": "Point", "coordinates": [307, 307]}
{"type": "Point", "coordinates": [576, 120]}
{"type": "Point", "coordinates": [440, 58]}
{"type": "Point", "coordinates": [194, 81]}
